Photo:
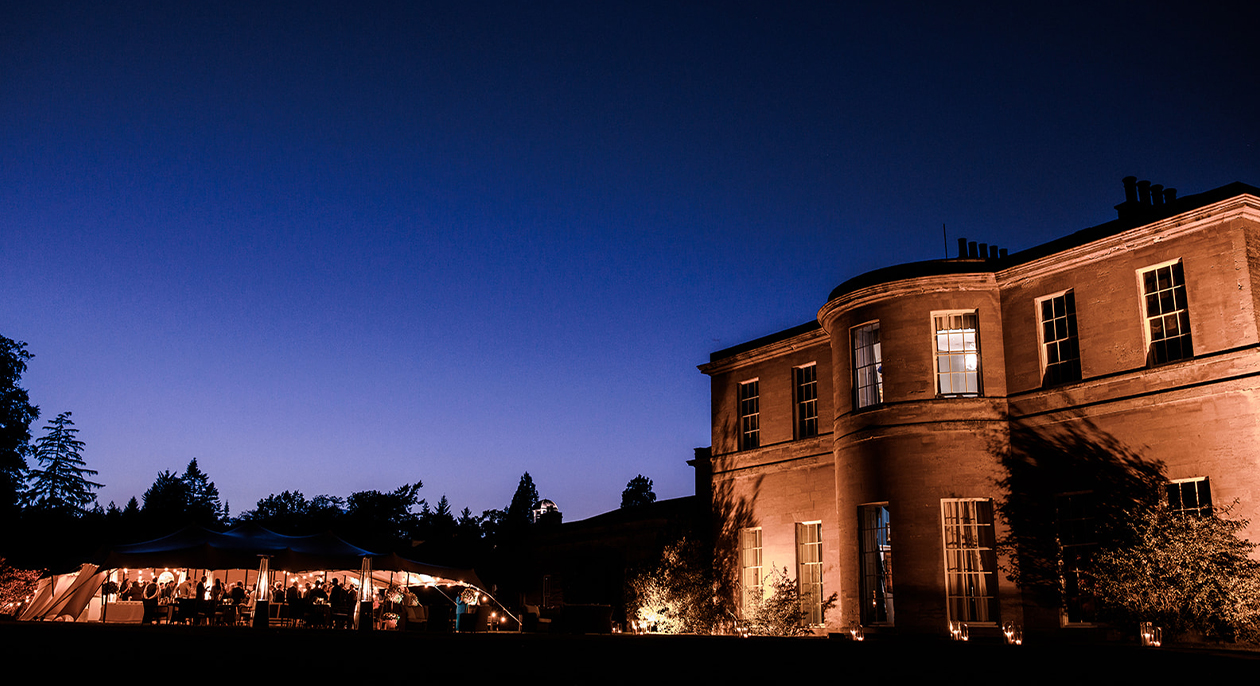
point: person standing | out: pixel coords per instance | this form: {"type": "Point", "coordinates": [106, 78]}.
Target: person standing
{"type": "Point", "coordinates": [150, 599]}
{"type": "Point", "coordinates": [199, 603]}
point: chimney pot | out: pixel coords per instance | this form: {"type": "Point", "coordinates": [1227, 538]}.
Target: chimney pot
{"type": "Point", "coordinates": [1144, 192]}
{"type": "Point", "coordinates": [1170, 194]}
{"type": "Point", "coordinates": [1157, 194]}
{"type": "Point", "coordinates": [971, 249]}
{"type": "Point", "coordinates": [962, 248]}
{"type": "Point", "coordinates": [1130, 189]}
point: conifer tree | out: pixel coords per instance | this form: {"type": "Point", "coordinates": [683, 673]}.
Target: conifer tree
{"type": "Point", "coordinates": [165, 503]}
{"type": "Point", "coordinates": [204, 506]}
{"type": "Point", "coordinates": [520, 512]}
{"type": "Point", "coordinates": [16, 415]}
{"type": "Point", "coordinates": [61, 485]}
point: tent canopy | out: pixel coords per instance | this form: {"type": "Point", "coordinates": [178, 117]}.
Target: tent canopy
{"type": "Point", "coordinates": [195, 547]}
{"type": "Point", "coordinates": [239, 548]}
{"type": "Point", "coordinates": [394, 563]}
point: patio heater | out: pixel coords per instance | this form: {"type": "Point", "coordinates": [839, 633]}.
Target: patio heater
{"type": "Point", "coordinates": [365, 595]}
{"type": "Point", "coordinates": [262, 594]}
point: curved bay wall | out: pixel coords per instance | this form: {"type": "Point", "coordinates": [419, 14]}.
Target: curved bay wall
{"type": "Point", "coordinates": [916, 447]}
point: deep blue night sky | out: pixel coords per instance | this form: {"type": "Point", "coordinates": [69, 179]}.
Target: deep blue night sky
{"type": "Point", "coordinates": [336, 247]}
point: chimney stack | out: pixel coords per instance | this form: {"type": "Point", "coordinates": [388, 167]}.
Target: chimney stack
{"type": "Point", "coordinates": [1141, 198]}
{"type": "Point", "coordinates": [1130, 189]}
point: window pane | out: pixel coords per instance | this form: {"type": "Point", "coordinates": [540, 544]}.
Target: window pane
{"type": "Point", "coordinates": [749, 415]}
{"type": "Point", "coordinates": [1190, 497]}
{"type": "Point", "coordinates": [970, 560]}
{"type": "Point", "coordinates": [1167, 314]}
{"type": "Point", "coordinates": [750, 565]}
{"type": "Point", "coordinates": [806, 382]}
{"type": "Point", "coordinates": [1059, 343]}
{"type": "Point", "coordinates": [809, 571]}
{"type": "Point", "coordinates": [875, 558]}
{"type": "Point", "coordinates": [868, 373]}
{"type": "Point", "coordinates": [957, 354]}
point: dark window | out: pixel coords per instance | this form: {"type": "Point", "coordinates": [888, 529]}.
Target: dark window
{"type": "Point", "coordinates": [1167, 314]}
{"type": "Point", "coordinates": [1078, 539]}
{"type": "Point", "coordinates": [806, 382]}
{"type": "Point", "coordinates": [1059, 340]}
{"type": "Point", "coordinates": [875, 557]}
{"type": "Point", "coordinates": [1191, 497]}
{"type": "Point", "coordinates": [749, 415]}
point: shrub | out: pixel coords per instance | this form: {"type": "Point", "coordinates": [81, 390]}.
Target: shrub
{"type": "Point", "coordinates": [780, 613]}
{"type": "Point", "coordinates": [1183, 572]}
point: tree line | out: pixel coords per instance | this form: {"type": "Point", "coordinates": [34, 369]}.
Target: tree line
{"type": "Point", "coordinates": [53, 520]}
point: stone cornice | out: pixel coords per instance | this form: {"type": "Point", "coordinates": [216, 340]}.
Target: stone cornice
{"type": "Point", "coordinates": [1238, 207]}
{"type": "Point", "coordinates": [808, 339]}
{"type": "Point", "coordinates": [922, 285]}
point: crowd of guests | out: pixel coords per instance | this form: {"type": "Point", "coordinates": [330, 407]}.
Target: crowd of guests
{"type": "Point", "coordinates": [188, 602]}
{"type": "Point", "coordinates": [317, 604]}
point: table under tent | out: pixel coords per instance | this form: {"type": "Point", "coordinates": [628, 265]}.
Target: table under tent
{"type": "Point", "coordinates": [245, 554]}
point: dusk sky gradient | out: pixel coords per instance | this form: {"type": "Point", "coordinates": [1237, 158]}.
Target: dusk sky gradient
{"type": "Point", "coordinates": [334, 247]}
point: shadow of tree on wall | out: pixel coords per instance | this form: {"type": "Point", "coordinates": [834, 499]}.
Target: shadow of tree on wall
{"type": "Point", "coordinates": [1045, 466]}
{"type": "Point", "coordinates": [731, 514]}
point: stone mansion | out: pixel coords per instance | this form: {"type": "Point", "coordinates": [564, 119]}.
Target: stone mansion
{"type": "Point", "coordinates": [872, 452]}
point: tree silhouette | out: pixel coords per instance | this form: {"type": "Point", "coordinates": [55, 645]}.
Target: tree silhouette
{"type": "Point", "coordinates": [61, 486]}
{"type": "Point", "coordinates": [203, 505]}
{"type": "Point", "coordinates": [520, 511]}
{"type": "Point", "coordinates": [286, 513]}
{"type": "Point", "coordinates": [381, 521]}
{"type": "Point", "coordinates": [638, 492]}
{"type": "Point", "coordinates": [442, 520]}
{"type": "Point", "coordinates": [165, 504]}
{"type": "Point", "coordinates": [16, 415]}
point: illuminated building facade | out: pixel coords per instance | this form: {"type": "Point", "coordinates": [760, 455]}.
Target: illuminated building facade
{"type": "Point", "coordinates": [868, 452]}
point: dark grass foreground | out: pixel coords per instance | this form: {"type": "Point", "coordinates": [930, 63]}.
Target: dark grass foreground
{"type": "Point", "coordinates": [235, 655]}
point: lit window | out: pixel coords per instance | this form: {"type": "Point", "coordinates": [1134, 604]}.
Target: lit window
{"type": "Point", "coordinates": [1167, 314]}
{"type": "Point", "coordinates": [1190, 497]}
{"type": "Point", "coordinates": [868, 368]}
{"type": "Point", "coordinates": [1074, 515]}
{"type": "Point", "coordinates": [806, 382]}
{"type": "Point", "coordinates": [750, 567]}
{"type": "Point", "coordinates": [749, 415]}
{"type": "Point", "coordinates": [809, 571]}
{"type": "Point", "coordinates": [957, 353]}
{"type": "Point", "coordinates": [1059, 343]}
{"type": "Point", "coordinates": [875, 553]}
{"type": "Point", "coordinates": [970, 560]}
